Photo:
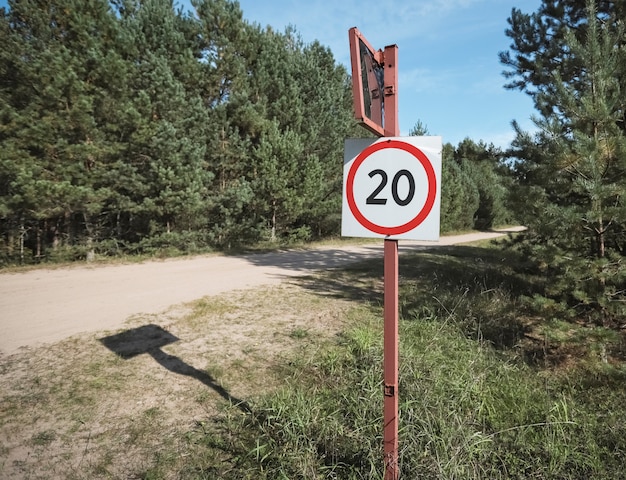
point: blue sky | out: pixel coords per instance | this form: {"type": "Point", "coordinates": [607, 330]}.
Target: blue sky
{"type": "Point", "coordinates": [449, 73]}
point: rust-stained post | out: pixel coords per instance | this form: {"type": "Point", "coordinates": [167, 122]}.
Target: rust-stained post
{"type": "Point", "coordinates": [390, 354]}
{"type": "Point", "coordinates": [391, 337]}
{"type": "Point", "coordinates": [366, 81]}
{"type": "Point", "coordinates": [392, 126]}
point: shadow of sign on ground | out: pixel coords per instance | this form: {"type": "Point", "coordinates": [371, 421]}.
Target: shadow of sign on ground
{"type": "Point", "coordinates": [473, 285]}
{"type": "Point", "coordinates": [150, 339]}
{"type": "Point", "coordinates": [310, 260]}
{"type": "Point", "coordinates": [332, 257]}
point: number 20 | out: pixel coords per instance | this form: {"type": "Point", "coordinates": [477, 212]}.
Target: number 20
{"type": "Point", "coordinates": [373, 199]}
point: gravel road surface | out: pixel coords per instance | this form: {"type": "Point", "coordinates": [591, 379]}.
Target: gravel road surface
{"type": "Point", "coordinates": [47, 305]}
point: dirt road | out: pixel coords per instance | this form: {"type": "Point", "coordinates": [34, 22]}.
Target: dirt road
{"type": "Point", "coordinates": [44, 306]}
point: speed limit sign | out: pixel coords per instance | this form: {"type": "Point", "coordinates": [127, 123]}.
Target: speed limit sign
{"type": "Point", "coordinates": [391, 188]}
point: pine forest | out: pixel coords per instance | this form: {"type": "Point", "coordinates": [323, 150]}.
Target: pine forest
{"type": "Point", "coordinates": [132, 127]}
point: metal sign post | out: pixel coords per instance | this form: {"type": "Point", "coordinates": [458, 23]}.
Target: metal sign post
{"type": "Point", "coordinates": [390, 353]}
{"type": "Point", "coordinates": [391, 191]}
{"type": "Point", "coordinates": [390, 360]}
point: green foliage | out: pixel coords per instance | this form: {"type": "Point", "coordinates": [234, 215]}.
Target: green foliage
{"type": "Point", "coordinates": [491, 179]}
{"type": "Point", "coordinates": [538, 52]}
{"type": "Point", "coordinates": [419, 129]}
{"type": "Point", "coordinates": [459, 197]}
{"type": "Point", "coordinates": [571, 173]}
{"type": "Point", "coordinates": [474, 187]}
{"type": "Point", "coordinates": [130, 123]}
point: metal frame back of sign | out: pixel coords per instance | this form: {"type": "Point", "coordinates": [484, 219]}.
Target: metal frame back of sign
{"type": "Point", "coordinates": [368, 84]}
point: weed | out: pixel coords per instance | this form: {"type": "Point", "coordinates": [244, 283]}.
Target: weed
{"type": "Point", "coordinates": [299, 333]}
{"type": "Point", "coordinates": [44, 438]}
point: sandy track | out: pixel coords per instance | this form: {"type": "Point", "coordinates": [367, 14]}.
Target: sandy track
{"type": "Point", "coordinates": [43, 306]}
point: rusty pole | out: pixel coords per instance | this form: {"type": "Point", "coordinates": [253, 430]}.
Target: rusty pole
{"type": "Point", "coordinates": [391, 339]}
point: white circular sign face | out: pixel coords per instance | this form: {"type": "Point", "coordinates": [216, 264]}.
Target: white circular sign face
{"type": "Point", "coordinates": [390, 189]}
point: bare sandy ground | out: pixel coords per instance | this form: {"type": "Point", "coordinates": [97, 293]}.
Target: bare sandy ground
{"type": "Point", "coordinates": [44, 306]}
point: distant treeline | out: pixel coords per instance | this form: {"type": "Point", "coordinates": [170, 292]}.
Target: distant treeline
{"type": "Point", "coordinates": [131, 127]}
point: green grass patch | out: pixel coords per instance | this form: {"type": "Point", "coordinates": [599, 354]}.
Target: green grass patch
{"type": "Point", "coordinates": [473, 403]}
{"type": "Point", "coordinates": [489, 387]}
{"type": "Point", "coordinates": [466, 412]}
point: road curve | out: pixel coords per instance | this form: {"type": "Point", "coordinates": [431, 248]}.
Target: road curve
{"type": "Point", "coordinates": [47, 305]}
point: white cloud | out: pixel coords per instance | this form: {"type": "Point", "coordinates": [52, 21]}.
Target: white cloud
{"type": "Point", "coordinates": [424, 80]}
{"type": "Point", "coordinates": [492, 84]}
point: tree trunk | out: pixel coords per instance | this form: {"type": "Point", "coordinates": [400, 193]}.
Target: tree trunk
{"type": "Point", "coordinates": [22, 235]}
{"type": "Point", "coordinates": [69, 228]}
{"type": "Point", "coordinates": [91, 253]}
{"type": "Point", "coordinates": [38, 252]}
{"type": "Point", "coordinates": [56, 240]}
{"type": "Point", "coordinates": [600, 231]}
{"type": "Point", "coordinates": [273, 234]}
{"type": "Point", "coordinates": [10, 242]}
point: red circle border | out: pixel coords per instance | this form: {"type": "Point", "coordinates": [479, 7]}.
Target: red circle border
{"type": "Point", "coordinates": [430, 197]}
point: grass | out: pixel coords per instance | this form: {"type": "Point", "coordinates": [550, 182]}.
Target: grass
{"type": "Point", "coordinates": [464, 414]}
{"type": "Point", "coordinates": [489, 389]}
{"type": "Point", "coordinates": [473, 404]}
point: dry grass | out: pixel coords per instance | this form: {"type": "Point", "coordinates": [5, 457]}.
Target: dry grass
{"type": "Point", "coordinates": [77, 409]}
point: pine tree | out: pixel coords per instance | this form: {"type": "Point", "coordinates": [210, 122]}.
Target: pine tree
{"type": "Point", "coordinates": [126, 124]}
{"type": "Point", "coordinates": [474, 184]}
{"type": "Point", "coordinates": [278, 179]}
{"type": "Point", "coordinates": [459, 194]}
{"type": "Point", "coordinates": [572, 172]}
{"type": "Point", "coordinates": [54, 131]}
{"type": "Point", "coordinates": [483, 164]}
{"type": "Point", "coordinates": [292, 94]}
{"type": "Point", "coordinates": [326, 94]}
{"type": "Point", "coordinates": [168, 141]}
{"type": "Point", "coordinates": [236, 119]}
{"type": "Point", "coordinates": [539, 51]}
